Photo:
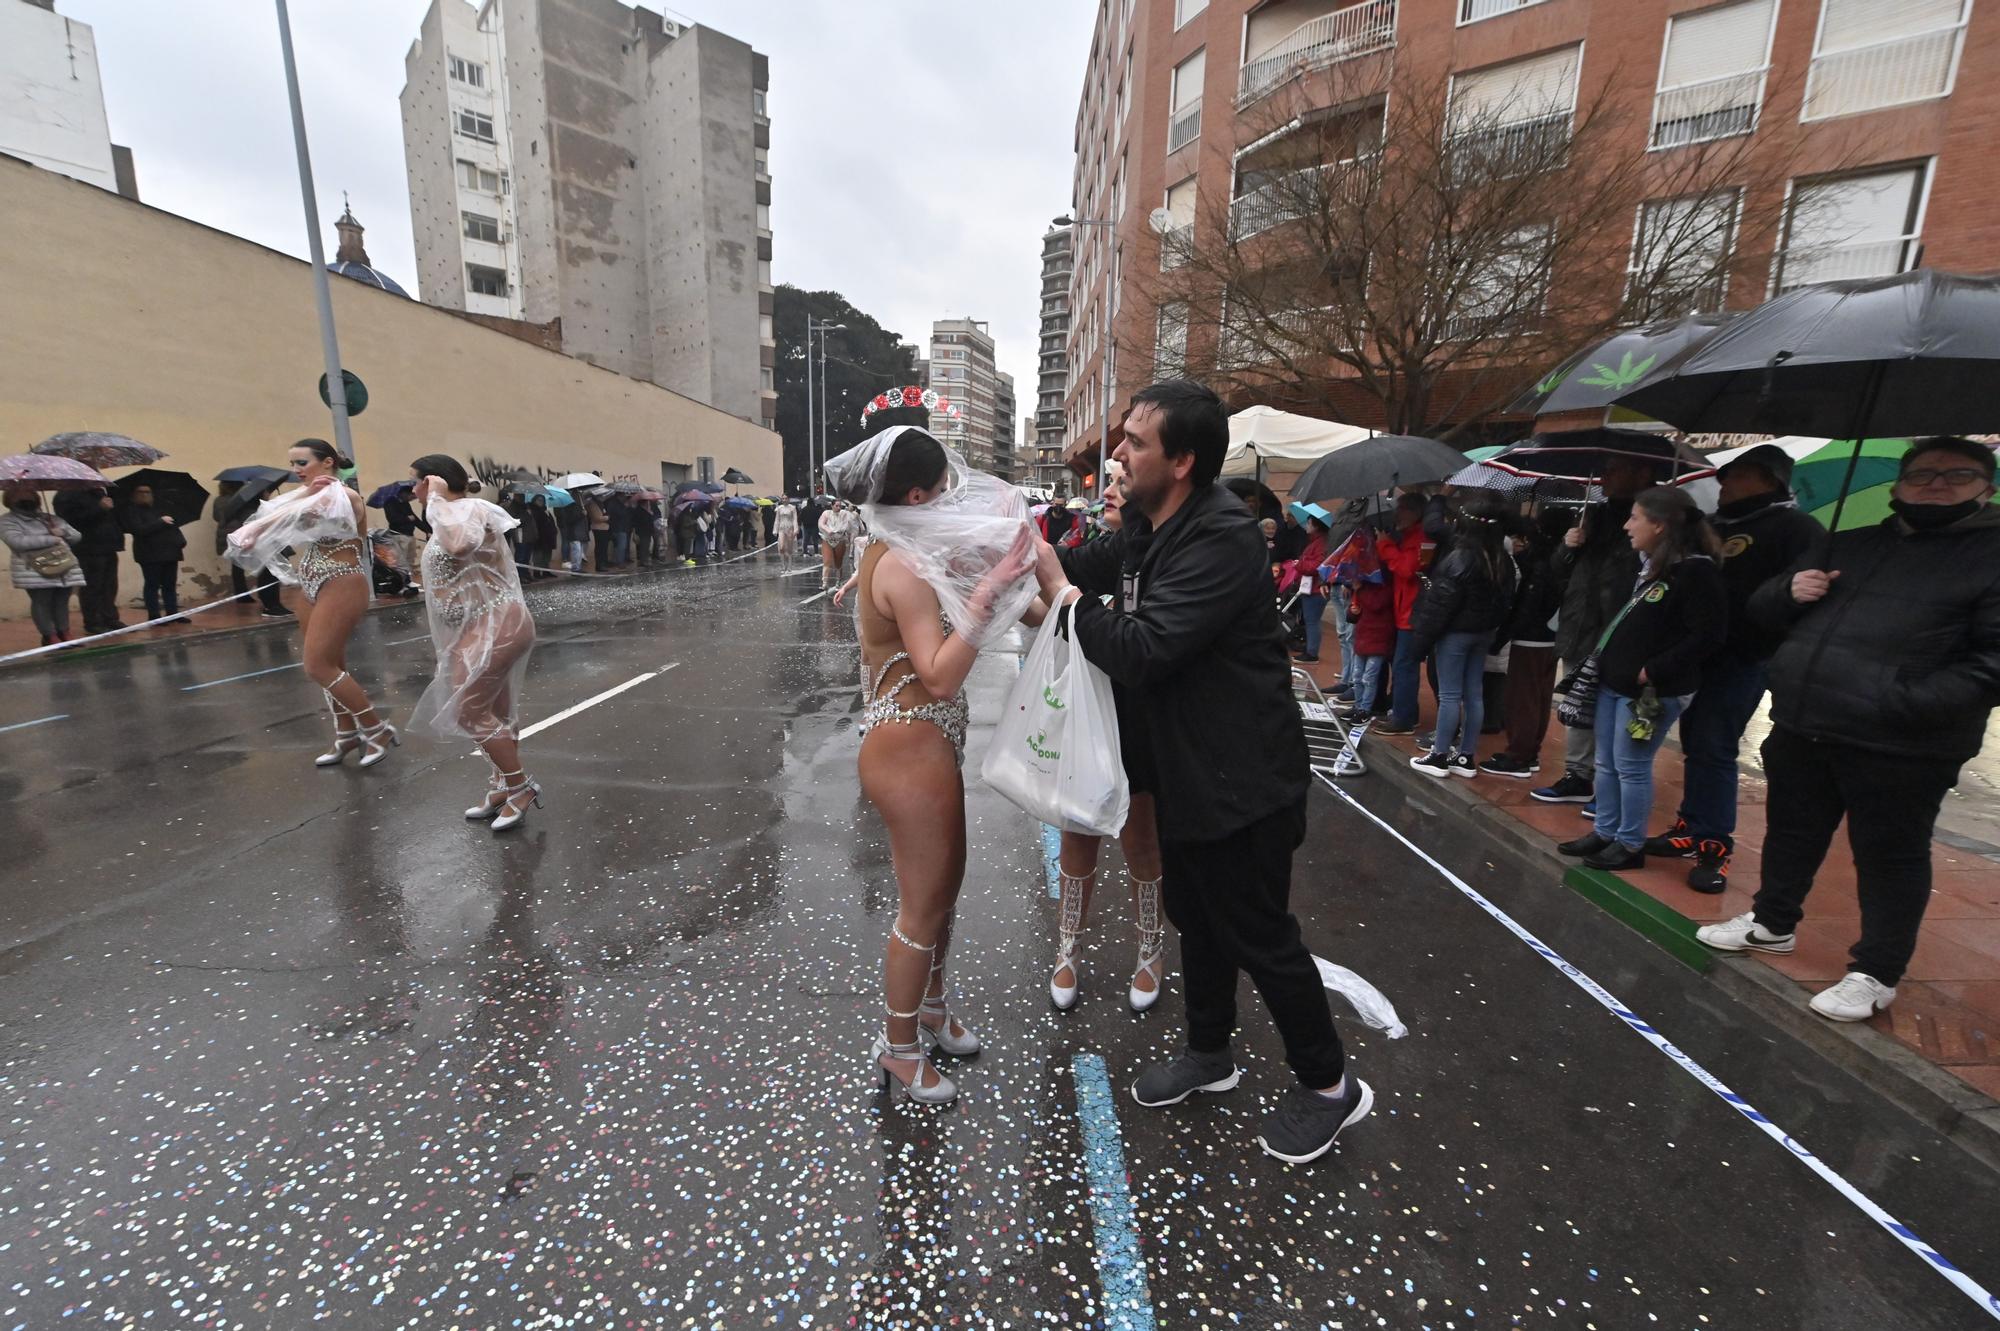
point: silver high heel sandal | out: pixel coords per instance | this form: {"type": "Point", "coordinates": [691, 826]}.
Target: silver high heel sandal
{"type": "Point", "coordinates": [1152, 944]}
{"type": "Point", "coordinates": [489, 807]}
{"type": "Point", "coordinates": [376, 741]}
{"type": "Point", "coordinates": [886, 1051]}
{"type": "Point", "coordinates": [345, 741]}
{"type": "Point", "coordinates": [1073, 888]}
{"type": "Point", "coordinates": [508, 814]}
{"type": "Point", "coordinates": [959, 1042]}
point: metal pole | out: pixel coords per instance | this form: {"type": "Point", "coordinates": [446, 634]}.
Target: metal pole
{"type": "Point", "coordinates": [1104, 436]}
{"type": "Point", "coordinates": [336, 388]}
{"type": "Point", "coordinates": [812, 472]}
{"type": "Point", "coordinates": [825, 430]}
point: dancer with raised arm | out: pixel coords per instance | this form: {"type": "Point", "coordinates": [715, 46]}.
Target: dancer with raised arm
{"type": "Point", "coordinates": [325, 527]}
{"type": "Point", "coordinates": [949, 565]}
{"type": "Point", "coordinates": [483, 633]}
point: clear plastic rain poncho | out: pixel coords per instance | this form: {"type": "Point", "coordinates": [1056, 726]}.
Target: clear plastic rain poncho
{"type": "Point", "coordinates": [479, 623]}
{"type": "Point", "coordinates": [956, 541]}
{"type": "Point", "coordinates": [292, 522]}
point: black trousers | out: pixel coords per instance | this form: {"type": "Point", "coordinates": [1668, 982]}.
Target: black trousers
{"type": "Point", "coordinates": [602, 539]}
{"type": "Point", "coordinates": [99, 594]}
{"type": "Point", "coordinates": [1231, 902]}
{"type": "Point", "coordinates": [1891, 806]}
{"type": "Point", "coordinates": [267, 586]}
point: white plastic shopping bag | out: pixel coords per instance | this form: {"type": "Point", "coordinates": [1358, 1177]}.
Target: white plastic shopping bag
{"type": "Point", "coordinates": [1055, 750]}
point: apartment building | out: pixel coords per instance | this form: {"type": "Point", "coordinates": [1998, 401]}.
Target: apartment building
{"type": "Point", "coordinates": [601, 164]}
{"type": "Point", "coordinates": [52, 100]}
{"type": "Point", "coordinates": [1003, 427]}
{"type": "Point", "coordinates": [1872, 111]}
{"type": "Point", "coordinates": [961, 368]}
{"type": "Point", "coordinates": [1052, 386]}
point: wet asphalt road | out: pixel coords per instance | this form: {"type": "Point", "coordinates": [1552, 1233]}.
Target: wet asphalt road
{"type": "Point", "coordinates": [282, 1047]}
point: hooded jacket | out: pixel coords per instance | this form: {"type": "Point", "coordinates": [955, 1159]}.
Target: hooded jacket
{"type": "Point", "coordinates": [1902, 655]}
{"type": "Point", "coordinates": [1761, 537]}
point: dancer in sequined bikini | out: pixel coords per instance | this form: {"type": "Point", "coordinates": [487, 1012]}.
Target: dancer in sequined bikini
{"type": "Point", "coordinates": [326, 528]}
{"type": "Point", "coordinates": [483, 633]}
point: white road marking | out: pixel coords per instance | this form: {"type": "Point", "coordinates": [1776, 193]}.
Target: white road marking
{"type": "Point", "coordinates": [41, 721]}
{"type": "Point", "coordinates": [589, 703]}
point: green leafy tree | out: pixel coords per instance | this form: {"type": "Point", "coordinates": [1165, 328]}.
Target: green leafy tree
{"type": "Point", "coordinates": [862, 359]}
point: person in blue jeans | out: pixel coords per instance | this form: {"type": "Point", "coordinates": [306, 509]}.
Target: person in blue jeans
{"type": "Point", "coordinates": [1763, 533]}
{"type": "Point", "coordinates": [1649, 664]}
{"type": "Point", "coordinates": [1402, 553]}
{"type": "Point", "coordinates": [1312, 603]}
{"type": "Point", "coordinates": [1471, 590]}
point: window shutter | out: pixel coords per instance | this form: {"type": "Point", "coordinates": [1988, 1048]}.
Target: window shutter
{"type": "Point", "coordinates": [1855, 209]}
{"type": "Point", "coordinates": [1188, 78]}
{"type": "Point", "coordinates": [1847, 24]}
{"type": "Point", "coordinates": [1525, 90]}
{"type": "Point", "coordinates": [1180, 203]}
{"type": "Point", "coordinates": [1716, 43]}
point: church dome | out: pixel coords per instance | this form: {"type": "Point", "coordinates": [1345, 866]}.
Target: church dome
{"type": "Point", "coordinates": [352, 260]}
{"type": "Point", "coordinates": [361, 272]}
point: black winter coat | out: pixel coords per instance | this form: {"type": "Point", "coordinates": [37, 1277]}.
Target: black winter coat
{"type": "Point", "coordinates": [1462, 596]}
{"type": "Point", "coordinates": [1595, 580]}
{"type": "Point", "coordinates": [1536, 600]}
{"type": "Point", "coordinates": [1197, 642]}
{"type": "Point", "coordinates": [154, 539]}
{"type": "Point", "coordinates": [1679, 622]}
{"type": "Point", "coordinates": [1761, 537]}
{"type": "Point", "coordinates": [102, 535]}
{"type": "Point", "coordinates": [1902, 655]}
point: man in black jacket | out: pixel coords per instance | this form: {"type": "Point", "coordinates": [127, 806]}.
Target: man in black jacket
{"type": "Point", "coordinates": [1889, 669]}
{"type": "Point", "coordinates": [1195, 637]}
{"type": "Point", "coordinates": [1763, 533]}
{"type": "Point", "coordinates": [95, 517]}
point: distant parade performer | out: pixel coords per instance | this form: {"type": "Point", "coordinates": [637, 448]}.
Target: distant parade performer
{"type": "Point", "coordinates": [836, 533]}
{"type": "Point", "coordinates": [785, 526]}
{"type": "Point", "coordinates": [482, 630]}
{"type": "Point", "coordinates": [326, 527]}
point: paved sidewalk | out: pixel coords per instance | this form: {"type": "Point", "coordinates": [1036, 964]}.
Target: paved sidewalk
{"type": "Point", "coordinates": [1947, 1008]}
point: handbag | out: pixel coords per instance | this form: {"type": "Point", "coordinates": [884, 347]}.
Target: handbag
{"type": "Point", "coordinates": [1579, 687]}
{"type": "Point", "coordinates": [52, 561]}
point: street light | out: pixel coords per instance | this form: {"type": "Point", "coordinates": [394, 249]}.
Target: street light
{"type": "Point", "coordinates": [812, 468]}
{"type": "Point", "coordinates": [1106, 382]}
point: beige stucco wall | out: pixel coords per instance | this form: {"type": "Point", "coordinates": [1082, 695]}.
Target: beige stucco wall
{"type": "Point", "coordinates": [115, 316]}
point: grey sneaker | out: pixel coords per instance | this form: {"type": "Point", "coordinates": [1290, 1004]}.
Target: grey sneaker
{"type": "Point", "coordinates": [1170, 1083]}
{"type": "Point", "coordinates": [1306, 1124]}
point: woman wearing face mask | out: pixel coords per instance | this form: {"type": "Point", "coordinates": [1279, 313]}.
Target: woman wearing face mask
{"type": "Point", "coordinates": [1140, 840]}
{"type": "Point", "coordinates": [482, 630]}
{"type": "Point", "coordinates": [936, 528]}
{"type": "Point", "coordinates": [326, 528]}
{"type": "Point", "coordinates": [43, 565]}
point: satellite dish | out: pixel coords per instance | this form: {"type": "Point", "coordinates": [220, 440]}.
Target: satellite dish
{"type": "Point", "coordinates": [1162, 220]}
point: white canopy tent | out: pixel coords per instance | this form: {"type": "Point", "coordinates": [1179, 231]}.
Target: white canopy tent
{"type": "Point", "coordinates": [1260, 435]}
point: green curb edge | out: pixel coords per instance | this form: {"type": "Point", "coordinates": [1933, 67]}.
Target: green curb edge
{"type": "Point", "coordinates": [1665, 926]}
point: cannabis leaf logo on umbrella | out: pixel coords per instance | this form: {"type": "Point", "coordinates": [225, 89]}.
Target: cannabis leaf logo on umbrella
{"type": "Point", "coordinates": [1626, 375]}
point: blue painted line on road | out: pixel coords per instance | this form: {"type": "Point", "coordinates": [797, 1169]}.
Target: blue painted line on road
{"type": "Point", "coordinates": [23, 725]}
{"type": "Point", "coordinates": [1902, 1233]}
{"type": "Point", "coordinates": [191, 688]}
{"type": "Point", "coordinates": [1121, 1267]}
{"type": "Point", "coordinates": [1052, 859]}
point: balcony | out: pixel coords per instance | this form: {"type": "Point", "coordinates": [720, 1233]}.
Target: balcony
{"type": "Point", "coordinates": [1891, 73]}
{"type": "Point", "coordinates": [1711, 109]}
{"type": "Point", "coordinates": [1326, 40]}
{"type": "Point", "coordinates": [1184, 128]}
{"type": "Point", "coordinates": [1501, 151]}
{"type": "Point", "coordinates": [1294, 195]}
{"type": "Point", "coordinates": [1808, 264]}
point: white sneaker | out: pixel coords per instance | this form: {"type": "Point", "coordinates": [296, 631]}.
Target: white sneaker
{"type": "Point", "coordinates": [1856, 998]}
{"type": "Point", "coordinates": [1743, 935]}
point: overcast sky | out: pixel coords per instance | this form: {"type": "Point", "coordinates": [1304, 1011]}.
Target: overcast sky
{"type": "Point", "coordinates": [918, 147]}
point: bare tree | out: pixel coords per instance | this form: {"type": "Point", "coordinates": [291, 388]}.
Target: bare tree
{"type": "Point", "coordinates": [1435, 259]}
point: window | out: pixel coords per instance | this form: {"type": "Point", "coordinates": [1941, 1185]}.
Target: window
{"type": "Point", "coordinates": [1511, 288]}
{"type": "Point", "coordinates": [1170, 342]}
{"type": "Point", "coordinates": [764, 329]}
{"type": "Point", "coordinates": [1712, 73]}
{"type": "Point", "coordinates": [757, 101]}
{"type": "Point", "coordinates": [763, 159]}
{"type": "Point", "coordinates": [1184, 125]}
{"type": "Point", "coordinates": [485, 281]}
{"type": "Point", "coordinates": [1511, 118]}
{"type": "Point", "coordinates": [764, 272]}
{"type": "Point", "coordinates": [466, 72]}
{"type": "Point", "coordinates": [1853, 226]}
{"type": "Point", "coordinates": [766, 379]}
{"type": "Point", "coordinates": [1680, 256]}
{"type": "Point", "coordinates": [704, 469]}
{"type": "Point", "coordinates": [474, 176]}
{"type": "Point", "coordinates": [475, 125]}
{"type": "Point", "coordinates": [1471, 11]}
{"type": "Point", "coordinates": [763, 217]}
{"type": "Point", "coordinates": [480, 227]}
{"type": "Point", "coordinates": [1876, 53]}
{"type": "Point", "coordinates": [1187, 9]}
{"type": "Point", "coordinates": [1179, 232]}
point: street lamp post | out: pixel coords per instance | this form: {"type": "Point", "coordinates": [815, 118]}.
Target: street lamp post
{"type": "Point", "coordinates": [1107, 383]}
{"type": "Point", "coordinates": [822, 329]}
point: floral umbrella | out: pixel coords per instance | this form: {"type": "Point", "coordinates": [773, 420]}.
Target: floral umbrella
{"type": "Point", "coordinates": [94, 448]}
{"type": "Point", "coordinates": [42, 472]}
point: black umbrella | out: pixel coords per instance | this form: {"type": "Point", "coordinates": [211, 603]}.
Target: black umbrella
{"type": "Point", "coordinates": [1594, 377]}
{"type": "Point", "coordinates": [712, 487]}
{"type": "Point", "coordinates": [1584, 454]}
{"type": "Point", "coordinates": [1891, 357]}
{"type": "Point", "coordinates": [245, 475]}
{"type": "Point", "coordinates": [1379, 462]}
{"type": "Point", "coordinates": [393, 490]}
{"type": "Point", "coordinates": [175, 493]}
{"type": "Point", "coordinates": [245, 497]}
{"type": "Point", "coordinates": [735, 477]}
{"type": "Point", "coordinates": [1258, 497]}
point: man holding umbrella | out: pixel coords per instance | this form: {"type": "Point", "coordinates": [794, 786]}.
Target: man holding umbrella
{"type": "Point", "coordinates": [1880, 691]}
{"type": "Point", "coordinates": [95, 516]}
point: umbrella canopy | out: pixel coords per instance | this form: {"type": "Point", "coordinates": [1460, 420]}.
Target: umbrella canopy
{"type": "Point", "coordinates": [175, 493]}
{"type": "Point", "coordinates": [41, 472]}
{"type": "Point", "coordinates": [735, 477]}
{"type": "Point", "coordinates": [1304, 511]}
{"type": "Point", "coordinates": [1480, 476]}
{"type": "Point", "coordinates": [1584, 454]}
{"type": "Point", "coordinates": [1258, 497]}
{"type": "Point", "coordinates": [580, 480]}
{"type": "Point", "coordinates": [248, 492]}
{"type": "Point", "coordinates": [767, 503]}
{"type": "Point", "coordinates": [245, 475]}
{"type": "Point", "coordinates": [712, 487]}
{"type": "Point", "coordinates": [692, 499]}
{"type": "Point", "coordinates": [1379, 463]}
{"type": "Point", "coordinates": [94, 448]}
{"type": "Point", "coordinates": [739, 501]}
{"type": "Point", "coordinates": [1490, 451]}
{"type": "Point", "coordinates": [1594, 378]}
{"type": "Point", "coordinates": [393, 490]}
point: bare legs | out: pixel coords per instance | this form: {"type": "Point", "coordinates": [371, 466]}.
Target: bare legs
{"type": "Point", "coordinates": [1140, 840]}
{"type": "Point", "coordinates": [328, 623]}
{"type": "Point", "coordinates": [911, 776]}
